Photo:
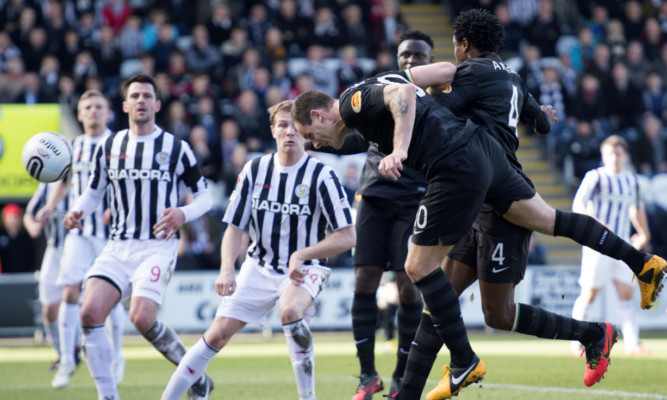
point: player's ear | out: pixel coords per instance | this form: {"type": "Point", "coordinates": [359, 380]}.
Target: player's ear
{"type": "Point", "coordinates": [158, 105]}
{"type": "Point", "coordinates": [315, 114]}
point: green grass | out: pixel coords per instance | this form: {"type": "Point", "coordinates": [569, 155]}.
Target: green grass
{"type": "Point", "coordinates": [252, 368]}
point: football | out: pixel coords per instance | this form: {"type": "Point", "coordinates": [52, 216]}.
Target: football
{"type": "Point", "coordinates": [47, 156]}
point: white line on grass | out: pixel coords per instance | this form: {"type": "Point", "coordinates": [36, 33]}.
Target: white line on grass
{"type": "Point", "coordinates": [612, 394]}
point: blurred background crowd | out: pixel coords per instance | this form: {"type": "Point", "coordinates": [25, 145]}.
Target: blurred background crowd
{"type": "Point", "coordinates": [602, 64]}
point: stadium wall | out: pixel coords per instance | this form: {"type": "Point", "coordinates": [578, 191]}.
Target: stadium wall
{"type": "Point", "coordinates": [191, 302]}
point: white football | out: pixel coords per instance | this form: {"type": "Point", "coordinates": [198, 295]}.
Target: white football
{"type": "Point", "coordinates": [47, 156]}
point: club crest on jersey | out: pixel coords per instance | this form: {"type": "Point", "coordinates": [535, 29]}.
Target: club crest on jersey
{"type": "Point", "coordinates": [356, 101]}
{"type": "Point", "coordinates": [162, 158]}
{"type": "Point", "coordinates": [448, 89]}
{"type": "Point", "coordinates": [301, 191]}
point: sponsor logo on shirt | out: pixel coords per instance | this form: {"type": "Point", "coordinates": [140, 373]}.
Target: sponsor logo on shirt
{"type": "Point", "coordinates": [132, 173]}
{"type": "Point", "coordinates": [282, 208]}
{"type": "Point", "coordinates": [356, 101]}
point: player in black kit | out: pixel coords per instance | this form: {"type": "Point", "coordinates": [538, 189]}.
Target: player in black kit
{"type": "Point", "coordinates": [384, 223]}
{"type": "Point", "coordinates": [494, 250]}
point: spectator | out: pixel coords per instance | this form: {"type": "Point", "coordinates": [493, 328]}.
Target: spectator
{"type": "Point", "coordinates": [326, 31]}
{"type": "Point", "coordinates": [17, 253]}
{"type": "Point", "coordinates": [513, 33]}
{"type": "Point", "coordinates": [349, 71]}
{"type": "Point", "coordinates": [569, 16]}
{"type": "Point", "coordinates": [258, 24]}
{"type": "Point", "coordinates": [220, 24]}
{"type": "Point", "coordinates": [32, 92]}
{"type": "Point", "coordinates": [544, 30]}
{"type": "Point", "coordinates": [67, 95]}
{"type": "Point", "coordinates": [202, 56]}
{"type": "Point", "coordinates": [552, 93]}
{"type": "Point", "coordinates": [633, 20]}
{"type": "Point", "coordinates": [178, 73]}
{"type": "Point", "coordinates": [206, 117]}
{"type": "Point", "coordinates": [279, 76]}
{"type": "Point", "coordinates": [7, 50]}
{"type": "Point", "coordinates": [296, 28]}
{"type": "Point", "coordinates": [27, 21]}
{"type": "Point", "coordinates": [354, 30]}
{"type": "Point", "coordinates": [115, 14]}
{"type": "Point", "coordinates": [244, 73]}
{"type": "Point", "coordinates": [233, 48]}
{"type": "Point", "coordinates": [36, 49]}
{"type": "Point", "coordinates": [131, 40]}
{"type": "Point", "coordinates": [531, 70]}
{"type": "Point", "coordinates": [616, 40]}
{"type": "Point", "coordinates": [86, 28]}
{"type": "Point", "coordinates": [15, 72]}
{"type": "Point", "coordinates": [253, 121]}
{"type": "Point", "coordinates": [198, 139]}
{"type": "Point", "coordinates": [590, 104]}
{"type": "Point", "coordinates": [385, 61]}
{"type": "Point", "coordinates": [655, 96]}
{"type": "Point", "coordinates": [49, 73]}
{"type": "Point", "coordinates": [157, 18]}
{"type": "Point", "coordinates": [54, 23]}
{"type": "Point", "coordinates": [585, 48]}
{"type": "Point", "coordinates": [624, 100]}
{"type": "Point", "coordinates": [229, 140]}
{"type": "Point", "coordinates": [637, 65]}
{"type": "Point", "coordinates": [274, 49]}
{"type": "Point", "coordinates": [273, 96]}
{"type": "Point", "coordinates": [303, 83]}
{"type": "Point", "coordinates": [233, 167]}
{"type": "Point", "coordinates": [649, 152]}
{"type": "Point", "coordinates": [108, 57]}
{"type": "Point", "coordinates": [350, 181]}
{"type": "Point", "coordinates": [601, 65]}
{"type": "Point", "coordinates": [164, 46]}
{"type": "Point", "coordinates": [10, 12]}
{"type": "Point", "coordinates": [181, 14]}
{"type": "Point", "coordinates": [653, 39]}
{"type": "Point", "coordinates": [84, 67]}
{"type": "Point", "coordinates": [68, 49]}
{"type": "Point", "coordinates": [585, 149]}
{"type": "Point", "coordinates": [325, 78]}
{"type": "Point", "coordinates": [523, 11]}
{"type": "Point", "coordinates": [598, 22]}
{"type": "Point", "coordinates": [177, 120]}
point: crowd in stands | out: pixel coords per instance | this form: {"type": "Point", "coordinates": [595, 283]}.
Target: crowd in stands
{"type": "Point", "coordinates": [218, 64]}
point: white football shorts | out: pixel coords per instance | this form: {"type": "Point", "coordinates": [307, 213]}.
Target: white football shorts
{"type": "Point", "coordinates": [50, 292]}
{"type": "Point", "coordinates": [596, 269]}
{"type": "Point", "coordinates": [79, 254]}
{"type": "Point", "coordinates": [138, 268]}
{"type": "Point", "coordinates": [259, 288]}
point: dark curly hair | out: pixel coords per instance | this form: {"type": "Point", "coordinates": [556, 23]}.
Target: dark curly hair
{"type": "Point", "coordinates": [417, 35]}
{"type": "Point", "coordinates": [482, 29]}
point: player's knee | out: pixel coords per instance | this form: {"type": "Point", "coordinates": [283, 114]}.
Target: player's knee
{"type": "Point", "coordinates": [89, 316]}
{"type": "Point", "coordinates": [408, 292]}
{"type": "Point", "coordinates": [290, 314]}
{"type": "Point", "coordinates": [498, 318]}
{"type": "Point", "coordinates": [141, 321]}
{"type": "Point", "coordinates": [367, 279]}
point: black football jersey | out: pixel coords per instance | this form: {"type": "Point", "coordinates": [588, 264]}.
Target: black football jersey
{"type": "Point", "coordinates": [437, 131]}
{"type": "Point", "coordinates": [493, 96]}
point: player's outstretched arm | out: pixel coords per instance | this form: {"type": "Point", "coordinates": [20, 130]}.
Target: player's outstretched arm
{"type": "Point", "coordinates": [437, 75]}
{"type": "Point", "coordinates": [337, 242]}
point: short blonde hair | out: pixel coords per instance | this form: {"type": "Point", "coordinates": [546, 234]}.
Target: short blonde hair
{"type": "Point", "coordinates": [89, 94]}
{"type": "Point", "coordinates": [615, 140]}
{"type": "Point", "coordinates": [283, 106]}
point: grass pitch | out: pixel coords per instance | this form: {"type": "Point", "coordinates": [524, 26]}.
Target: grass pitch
{"type": "Point", "coordinates": [252, 367]}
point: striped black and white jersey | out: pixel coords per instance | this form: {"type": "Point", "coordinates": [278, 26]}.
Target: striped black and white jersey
{"type": "Point", "coordinates": [82, 169]}
{"type": "Point", "coordinates": [286, 208]}
{"type": "Point", "coordinates": [54, 231]}
{"type": "Point", "coordinates": [609, 197]}
{"type": "Point", "coordinates": [144, 175]}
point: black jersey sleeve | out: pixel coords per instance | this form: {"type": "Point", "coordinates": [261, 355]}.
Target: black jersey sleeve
{"type": "Point", "coordinates": [532, 114]}
{"type": "Point", "coordinates": [361, 104]}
